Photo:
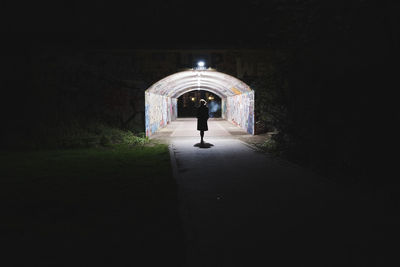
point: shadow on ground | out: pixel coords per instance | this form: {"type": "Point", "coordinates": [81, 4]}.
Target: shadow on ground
{"type": "Point", "coordinates": [204, 145]}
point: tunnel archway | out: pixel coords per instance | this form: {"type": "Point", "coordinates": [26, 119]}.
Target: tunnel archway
{"type": "Point", "coordinates": [237, 98]}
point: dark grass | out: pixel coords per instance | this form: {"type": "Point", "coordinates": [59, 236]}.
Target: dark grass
{"type": "Point", "coordinates": [113, 206]}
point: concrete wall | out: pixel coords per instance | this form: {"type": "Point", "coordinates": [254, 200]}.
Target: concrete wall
{"type": "Point", "coordinates": [240, 111]}
{"type": "Point", "coordinates": [159, 111]}
{"type": "Point", "coordinates": [223, 108]}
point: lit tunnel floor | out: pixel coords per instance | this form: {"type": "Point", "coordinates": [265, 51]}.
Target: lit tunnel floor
{"type": "Point", "coordinates": [187, 127]}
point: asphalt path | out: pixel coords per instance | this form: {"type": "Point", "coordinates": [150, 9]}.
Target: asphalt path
{"type": "Point", "coordinates": [241, 207]}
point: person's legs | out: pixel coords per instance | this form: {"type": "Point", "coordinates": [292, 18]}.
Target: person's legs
{"type": "Point", "coordinates": [202, 135]}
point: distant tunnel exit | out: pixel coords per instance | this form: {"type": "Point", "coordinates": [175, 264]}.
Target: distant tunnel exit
{"type": "Point", "coordinates": [227, 97]}
{"type": "Point", "coordinates": [188, 103]}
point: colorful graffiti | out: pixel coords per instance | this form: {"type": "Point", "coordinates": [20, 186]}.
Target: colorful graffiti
{"type": "Point", "coordinates": [240, 110]}
{"type": "Point", "coordinates": [237, 99]}
{"type": "Point", "coordinates": [159, 111]}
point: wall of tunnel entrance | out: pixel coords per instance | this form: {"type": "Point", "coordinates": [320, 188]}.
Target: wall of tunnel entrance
{"type": "Point", "coordinates": [237, 99]}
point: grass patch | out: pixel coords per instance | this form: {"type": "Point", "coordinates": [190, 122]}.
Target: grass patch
{"type": "Point", "coordinates": [72, 135]}
{"type": "Point", "coordinates": [270, 145]}
{"type": "Point", "coordinates": [95, 134]}
{"type": "Point", "coordinates": [111, 206]}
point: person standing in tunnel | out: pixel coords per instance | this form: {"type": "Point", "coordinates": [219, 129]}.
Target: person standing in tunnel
{"type": "Point", "coordinates": [202, 117]}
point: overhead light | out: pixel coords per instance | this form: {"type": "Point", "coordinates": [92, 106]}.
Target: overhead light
{"type": "Point", "coordinates": [201, 64]}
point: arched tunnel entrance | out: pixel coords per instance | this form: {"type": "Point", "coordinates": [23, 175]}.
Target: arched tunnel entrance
{"type": "Point", "coordinates": [236, 98]}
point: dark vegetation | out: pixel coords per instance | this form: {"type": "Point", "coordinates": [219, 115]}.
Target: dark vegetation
{"type": "Point", "coordinates": [113, 206]}
{"type": "Point", "coordinates": [324, 94]}
{"type": "Point", "coordinates": [80, 183]}
{"type": "Point", "coordinates": [64, 97]}
{"type": "Point", "coordinates": [75, 134]}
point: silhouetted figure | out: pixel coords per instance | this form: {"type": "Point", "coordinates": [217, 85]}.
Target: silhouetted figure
{"type": "Point", "coordinates": [202, 117]}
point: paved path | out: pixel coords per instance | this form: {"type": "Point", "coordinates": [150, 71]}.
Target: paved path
{"type": "Point", "coordinates": [241, 207]}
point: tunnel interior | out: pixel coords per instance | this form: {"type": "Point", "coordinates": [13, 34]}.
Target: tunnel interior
{"type": "Point", "coordinates": [188, 102]}
{"type": "Point", "coordinates": [162, 98]}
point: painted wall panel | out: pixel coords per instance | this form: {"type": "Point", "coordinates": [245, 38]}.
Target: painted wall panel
{"type": "Point", "coordinates": [240, 110]}
{"type": "Point", "coordinates": [159, 111]}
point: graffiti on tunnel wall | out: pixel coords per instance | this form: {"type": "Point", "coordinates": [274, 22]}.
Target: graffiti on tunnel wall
{"type": "Point", "coordinates": [159, 111]}
{"type": "Point", "coordinates": [240, 111]}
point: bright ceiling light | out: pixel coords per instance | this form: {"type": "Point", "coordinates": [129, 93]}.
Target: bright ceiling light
{"type": "Point", "coordinates": [201, 64]}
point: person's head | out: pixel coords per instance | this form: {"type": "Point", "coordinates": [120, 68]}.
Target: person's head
{"type": "Point", "coordinates": [202, 102]}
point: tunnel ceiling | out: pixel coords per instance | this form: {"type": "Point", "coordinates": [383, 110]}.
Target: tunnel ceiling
{"type": "Point", "coordinates": [179, 83]}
